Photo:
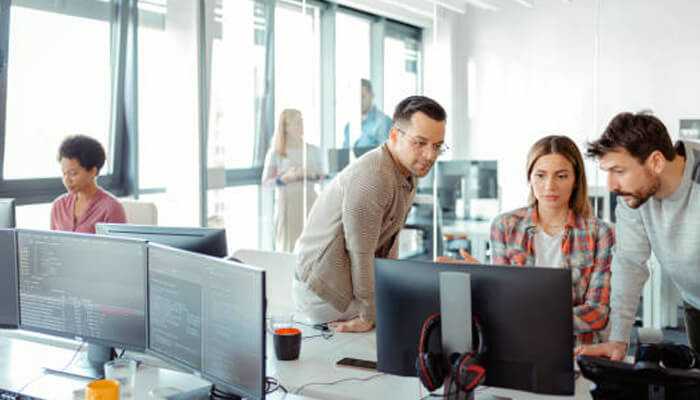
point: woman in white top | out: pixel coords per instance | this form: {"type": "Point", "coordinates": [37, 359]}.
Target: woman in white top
{"type": "Point", "coordinates": [285, 164]}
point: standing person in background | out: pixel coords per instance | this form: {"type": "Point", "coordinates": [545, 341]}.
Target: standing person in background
{"type": "Point", "coordinates": [375, 124]}
{"type": "Point", "coordinates": [85, 204]}
{"type": "Point", "coordinates": [284, 170]}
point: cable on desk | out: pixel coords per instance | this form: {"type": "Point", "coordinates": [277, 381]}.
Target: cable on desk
{"type": "Point", "coordinates": [324, 335]}
{"type": "Point", "coordinates": [43, 373]}
{"type": "Point", "coordinates": [272, 385]}
{"type": "Point", "coordinates": [304, 386]}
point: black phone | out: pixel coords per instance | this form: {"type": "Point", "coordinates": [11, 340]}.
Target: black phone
{"type": "Point", "coordinates": [356, 363]}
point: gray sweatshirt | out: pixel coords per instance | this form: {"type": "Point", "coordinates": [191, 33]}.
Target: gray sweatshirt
{"type": "Point", "coordinates": [669, 227]}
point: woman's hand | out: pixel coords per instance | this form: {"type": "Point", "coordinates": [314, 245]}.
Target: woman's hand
{"type": "Point", "coordinates": [466, 259]}
{"type": "Point", "coordinates": [293, 174]}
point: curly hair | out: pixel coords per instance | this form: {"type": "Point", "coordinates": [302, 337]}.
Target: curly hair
{"type": "Point", "coordinates": [88, 151]}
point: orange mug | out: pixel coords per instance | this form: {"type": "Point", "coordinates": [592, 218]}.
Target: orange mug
{"type": "Point", "coordinates": [102, 389]}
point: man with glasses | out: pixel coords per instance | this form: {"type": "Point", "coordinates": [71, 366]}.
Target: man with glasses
{"type": "Point", "coordinates": [359, 216]}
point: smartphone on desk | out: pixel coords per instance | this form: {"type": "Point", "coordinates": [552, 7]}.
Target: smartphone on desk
{"type": "Point", "coordinates": [357, 363]}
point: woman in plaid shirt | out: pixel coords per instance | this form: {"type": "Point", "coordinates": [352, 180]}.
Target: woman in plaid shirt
{"type": "Point", "coordinates": [558, 230]}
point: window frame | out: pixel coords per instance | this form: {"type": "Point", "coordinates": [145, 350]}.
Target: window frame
{"type": "Point", "coordinates": [123, 122]}
{"type": "Point", "coordinates": [120, 181]}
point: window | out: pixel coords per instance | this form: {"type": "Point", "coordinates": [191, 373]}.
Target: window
{"type": "Point", "coordinates": [352, 55]}
{"type": "Point", "coordinates": [297, 64]}
{"type": "Point", "coordinates": [154, 110]}
{"type": "Point", "coordinates": [239, 128]}
{"type": "Point", "coordinates": [401, 65]}
{"type": "Point", "coordinates": [237, 84]}
{"type": "Point", "coordinates": [58, 84]}
{"type": "Point", "coordinates": [69, 71]}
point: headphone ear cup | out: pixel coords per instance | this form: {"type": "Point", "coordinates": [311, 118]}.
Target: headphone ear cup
{"type": "Point", "coordinates": [432, 373]}
{"type": "Point", "coordinates": [479, 338]}
{"type": "Point", "coordinates": [468, 373]}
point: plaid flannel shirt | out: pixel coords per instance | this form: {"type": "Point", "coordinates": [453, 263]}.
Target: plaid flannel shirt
{"type": "Point", "coordinates": [587, 251]}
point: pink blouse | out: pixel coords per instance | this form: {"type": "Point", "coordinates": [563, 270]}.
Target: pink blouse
{"type": "Point", "coordinates": [103, 208]}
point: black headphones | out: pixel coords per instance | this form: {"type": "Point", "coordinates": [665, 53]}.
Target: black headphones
{"type": "Point", "coordinates": [667, 355]}
{"type": "Point", "coordinates": [466, 368]}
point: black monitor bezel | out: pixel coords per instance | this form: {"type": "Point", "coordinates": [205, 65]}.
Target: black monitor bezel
{"type": "Point", "coordinates": [13, 206]}
{"type": "Point", "coordinates": [73, 335]}
{"type": "Point", "coordinates": [145, 232]}
{"type": "Point", "coordinates": [13, 232]}
{"type": "Point", "coordinates": [217, 381]}
{"type": "Point", "coordinates": [414, 285]}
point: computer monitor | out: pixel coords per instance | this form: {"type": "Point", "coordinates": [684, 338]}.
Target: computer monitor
{"type": "Point", "coordinates": [467, 179]}
{"type": "Point", "coordinates": [87, 287]}
{"type": "Point", "coordinates": [526, 314]}
{"type": "Point", "coordinates": [208, 315]}
{"type": "Point", "coordinates": [9, 311]}
{"type": "Point", "coordinates": [7, 213]}
{"type": "Point", "coordinates": [210, 241]}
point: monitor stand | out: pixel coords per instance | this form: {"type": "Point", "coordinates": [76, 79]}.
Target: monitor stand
{"type": "Point", "coordinates": [88, 366]}
{"type": "Point", "coordinates": [455, 324]}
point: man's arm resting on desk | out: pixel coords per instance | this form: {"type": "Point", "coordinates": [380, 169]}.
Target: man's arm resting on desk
{"type": "Point", "coordinates": [363, 211]}
{"type": "Point", "coordinates": [356, 324]}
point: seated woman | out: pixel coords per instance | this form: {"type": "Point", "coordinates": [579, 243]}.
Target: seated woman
{"type": "Point", "coordinates": [558, 230]}
{"type": "Point", "coordinates": [85, 204]}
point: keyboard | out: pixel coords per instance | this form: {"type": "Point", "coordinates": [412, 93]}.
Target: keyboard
{"type": "Point", "coordinates": [9, 395]}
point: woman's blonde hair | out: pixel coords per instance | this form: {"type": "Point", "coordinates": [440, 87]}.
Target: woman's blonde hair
{"type": "Point", "coordinates": [566, 148]}
{"type": "Point", "coordinates": [280, 139]}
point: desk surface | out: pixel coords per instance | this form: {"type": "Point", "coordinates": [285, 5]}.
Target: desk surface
{"type": "Point", "coordinates": [315, 369]}
{"type": "Point", "coordinates": [22, 363]}
{"type": "Point", "coordinates": [313, 375]}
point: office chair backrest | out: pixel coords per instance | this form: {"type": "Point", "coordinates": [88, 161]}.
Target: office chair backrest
{"type": "Point", "coordinates": [140, 212]}
{"type": "Point", "coordinates": [279, 273]}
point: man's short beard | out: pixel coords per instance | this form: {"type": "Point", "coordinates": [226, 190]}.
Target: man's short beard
{"type": "Point", "coordinates": [640, 197]}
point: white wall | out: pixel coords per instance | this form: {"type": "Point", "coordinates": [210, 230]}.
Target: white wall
{"type": "Point", "coordinates": [567, 68]}
{"type": "Point", "coordinates": [439, 42]}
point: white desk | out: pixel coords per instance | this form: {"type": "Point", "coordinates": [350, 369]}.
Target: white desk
{"type": "Point", "coordinates": [317, 365]}
{"type": "Point", "coordinates": [22, 362]}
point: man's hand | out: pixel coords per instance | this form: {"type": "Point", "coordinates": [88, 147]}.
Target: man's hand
{"type": "Point", "coordinates": [466, 259]}
{"type": "Point", "coordinates": [353, 325]}
{"type": "Point", "coordinates": [615, 351]}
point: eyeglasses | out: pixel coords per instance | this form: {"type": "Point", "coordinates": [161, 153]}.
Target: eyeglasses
{"type": "Point", "coordinates": [421, 145]}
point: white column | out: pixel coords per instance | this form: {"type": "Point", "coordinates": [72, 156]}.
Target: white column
{"type": "Point", "coordinates": [182, 148]}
